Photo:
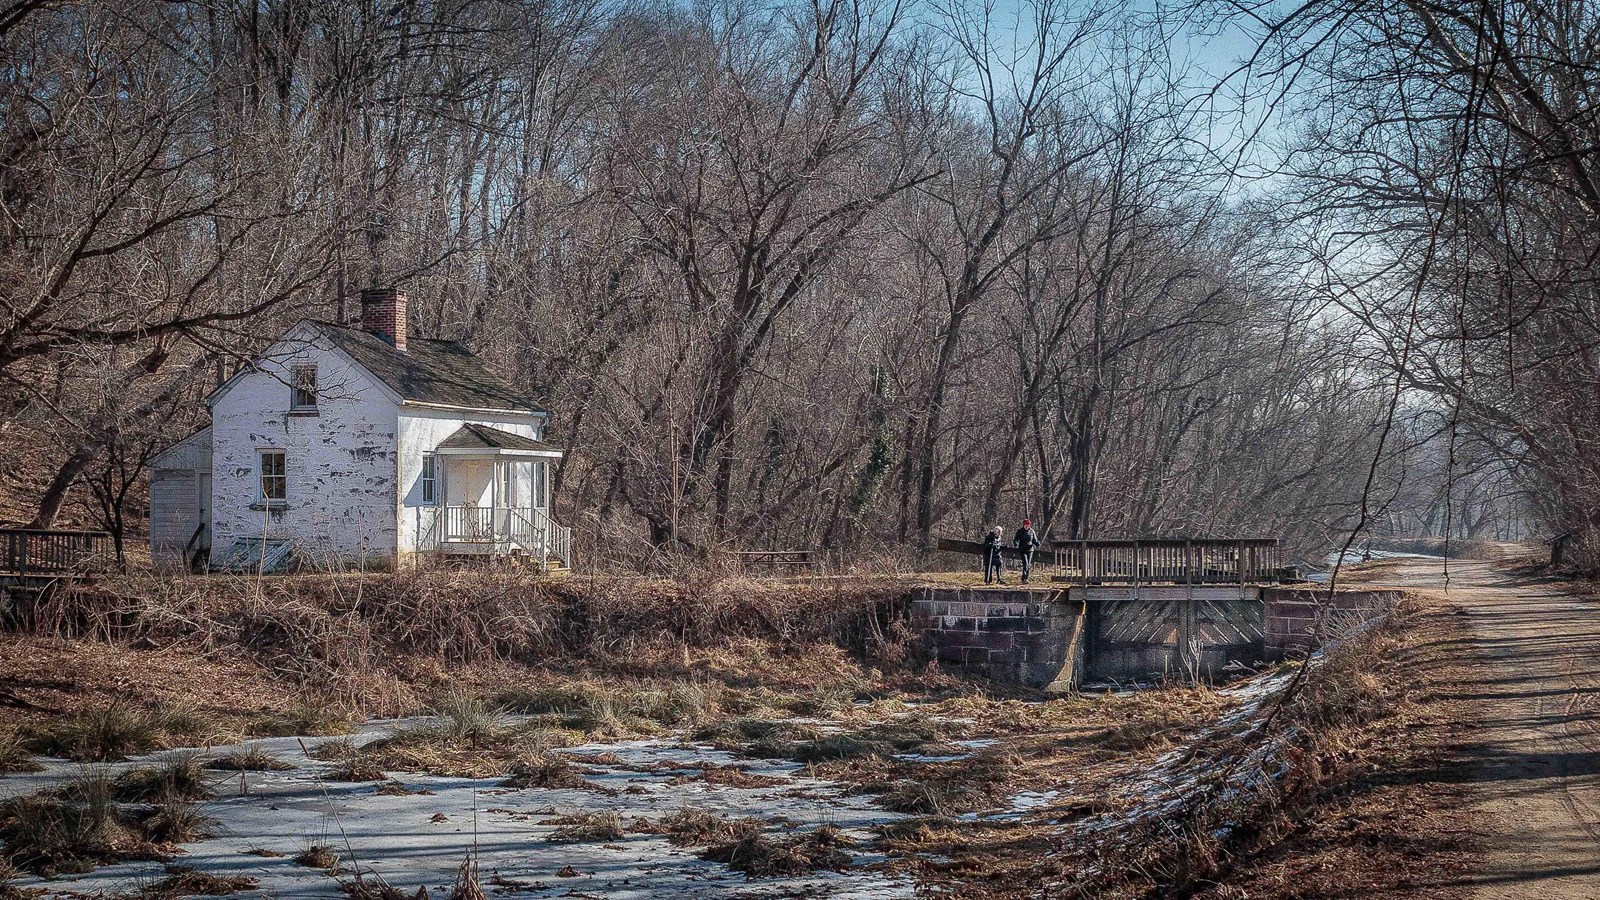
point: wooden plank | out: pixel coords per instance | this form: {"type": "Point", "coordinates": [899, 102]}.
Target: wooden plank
{"type": "Point", "coordinates": [1067, 680]}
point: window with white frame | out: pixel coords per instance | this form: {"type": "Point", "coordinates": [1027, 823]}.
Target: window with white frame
{"type": "Point", "coordinates": [430, 478]}
{"type": "Point", "coordinates": [303, 394]}
{"type": "Point", "coordinates": [274, 479]}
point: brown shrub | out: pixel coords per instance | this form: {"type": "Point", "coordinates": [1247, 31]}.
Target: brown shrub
{"type": "Point", "coordinates": [759, 856]}
{"type": "Point", "coordinates": [335, 631]}
{"type": "Point", "coordinates": [185, 882]}
{"type": "Point", "coordinates": [1244, 785]}
{"type": "Point", "coordinates": [693, 826]}
{"type": "Point", "coordinates": [586, 827]}
{"type": "Point", "coordinates": [318, 856]}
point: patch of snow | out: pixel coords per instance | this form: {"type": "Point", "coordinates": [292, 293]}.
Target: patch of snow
{"type": "Point", "coordinates": [1029, 800]}
{"type": "Point", "coordinates": [419, 840]}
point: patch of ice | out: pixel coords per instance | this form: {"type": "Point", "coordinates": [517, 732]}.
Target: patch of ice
{"type": "Point", "coordinates": [405, 841]}
{"type": "Point", "coordinates": [1029, 800]}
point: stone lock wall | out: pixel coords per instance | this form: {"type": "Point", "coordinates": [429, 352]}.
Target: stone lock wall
{"type": "Point", "coordinates": [1042, 639]}
{"type": "Point", "coordinates": [1291, 615]}
{"type": "Point", "coordinates": [1021, 636]}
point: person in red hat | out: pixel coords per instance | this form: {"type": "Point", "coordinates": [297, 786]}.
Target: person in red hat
{"type": "Point", "coordinates": [1026, 541]}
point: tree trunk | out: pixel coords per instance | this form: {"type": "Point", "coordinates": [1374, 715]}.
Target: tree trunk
{"type": "Point", "coordinates": [56, 494]}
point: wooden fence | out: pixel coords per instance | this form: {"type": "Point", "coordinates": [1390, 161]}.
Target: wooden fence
{"type": "Point", "coordinates": [34, 551]}
{"type": "Point", "coordinates": [1172, 561]}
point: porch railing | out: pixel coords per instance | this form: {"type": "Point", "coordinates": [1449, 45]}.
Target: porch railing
{"type": "Point", "coordinates": [535, 532]}
{"type": "Point", "coordinates": [528, 529]}
{"type": "Point", "coordinates": [469, 523]}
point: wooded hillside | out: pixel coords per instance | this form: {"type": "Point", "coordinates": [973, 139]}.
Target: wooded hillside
{"type": "Point", "coordinates": [843, 274]}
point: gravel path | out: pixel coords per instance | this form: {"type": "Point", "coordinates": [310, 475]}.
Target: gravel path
{"type": "Point", "coordinates": [1532, 761]}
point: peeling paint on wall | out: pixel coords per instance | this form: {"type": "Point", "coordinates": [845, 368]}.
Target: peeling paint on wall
{"type": "Point", "coordinates": [334, 511]}
{"type": "Point", "coordinates": [353, 469]}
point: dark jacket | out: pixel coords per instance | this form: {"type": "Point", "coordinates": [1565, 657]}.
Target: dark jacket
{"type": "Point", "coordinates": [1026, 540]}
{"type": "Point", "coordinates": [991, 542]}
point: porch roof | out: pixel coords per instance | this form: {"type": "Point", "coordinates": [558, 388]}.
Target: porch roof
{"type": "Point", "coordinates": [480, 440]}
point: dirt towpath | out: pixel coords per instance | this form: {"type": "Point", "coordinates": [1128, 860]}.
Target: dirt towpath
{"type": "Point", "coordinates": [1530, 758]}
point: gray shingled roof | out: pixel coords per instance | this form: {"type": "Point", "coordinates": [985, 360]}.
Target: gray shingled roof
{"type": "Point", "coordinates": [481, 437]}
{"type": "Point", "coordinates": [430, 371]}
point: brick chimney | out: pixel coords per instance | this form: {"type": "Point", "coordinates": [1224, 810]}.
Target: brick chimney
{"type": "Point", "coordinates": [383, 313]}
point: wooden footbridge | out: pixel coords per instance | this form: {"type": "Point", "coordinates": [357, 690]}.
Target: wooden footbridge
{"type": "Point", "coordinates": [1121, 609]}
{"type": "Point", "coordinates": [31, 557]}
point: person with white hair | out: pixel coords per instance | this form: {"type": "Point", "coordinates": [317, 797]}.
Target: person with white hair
{"type": "Point", "coordinates": [994, 567]}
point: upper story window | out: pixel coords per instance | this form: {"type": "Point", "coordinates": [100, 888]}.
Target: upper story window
{"type": "Point", "coordinates": [274, 480]}
{"type": "Point", "coordinates": [303, 388]}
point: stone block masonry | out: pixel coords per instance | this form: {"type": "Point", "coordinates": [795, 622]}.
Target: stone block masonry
{"type": "Point", "coordinates": [1053, 640]}
{"type": "Point", "coordinates": [1025, 637]}
{"type": "Point", "coordinates": [1291, 615]}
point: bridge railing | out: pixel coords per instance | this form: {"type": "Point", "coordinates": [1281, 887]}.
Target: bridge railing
{"type": "Point", "coordinates": [1169, 561]}
{"type": "Point", "coordinates": [35, 551]}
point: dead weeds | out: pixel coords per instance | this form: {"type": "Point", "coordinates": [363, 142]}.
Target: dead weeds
{"type": "Point", "coordinates": [118, 730]}
{"type": "Point", "coordinates": [758, 856]}
{"type": "Point", "coordinates": [318, 856]}
{"type": "Point", "coordinates": [586, 827]}
{"type": "Point", "coordinates": [186, 882]}
{"type": "Point", "coordinates": [14, 754]}
{"type": "Point", "coordinates": [694, 826]}
{"type": "Point", "coordinates": [83, 825]}
{"type": "Point", "coordinates": [541, 771]}
{"type": "Point", "coordinates": [252, 759]}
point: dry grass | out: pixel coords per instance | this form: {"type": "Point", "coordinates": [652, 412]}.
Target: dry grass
{"type": "Point", "coordinates": [119, 730]}
{"type": "Point", "coordinates": [337, 750]}
{"type": "Point", "coordinates": [10, 891]}
{"type": "Point", "coordinates": [913, 835]}
{"type": "Point", "coordinates": [306, 718]}
{"type": "Point", "coordinates": [980, 781]}
{"type": "Point", "coordinates": [695, 827]}
{"type": "Point", "coordinates": [318, 856]}
{"type": "Point", "coordinates": [467, 738]}
{"type": "Point", "coordinates": [180, 777]}
{"type": "Point", "coordinates": [467, 885]}
{"type": "Point", "coordinates": [82, 825]}
{"type": "Point", "coordinates": [768, 738]}
{"type": "Point", "coordinates": [591, 658]}
{"type": "Point", "coordinates": [728, 776]}
{"type": "Point", "coordinates": [759, 856]}
{"type": "Point", "coordinates": [185, 882]}
{"type": "Point", "coordinates": [253, 759]}
{"type": "Point", "coordinates": [359, 769]}
{"type": "Point", "coordinates": [462, 720]}
{"type": "Point", "coordinates": [586, 827]}
{"type": "Point", "coordinates": [542, 771]}
{"type": "Point", "coordinates": [1252, 785]}
{"type": "Point", "coordinates": [626, 706]}
{"type": "Point", "coordinates": [175, 821]}
{"type": "Point", "coordinates": [743, 845]}
{"type": "Point", "coordinates": [334, 630]}
{"type": "Point", "coordinates": [14, 754]}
